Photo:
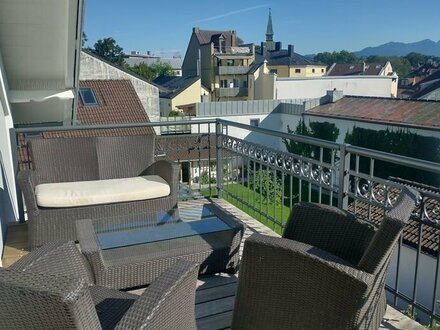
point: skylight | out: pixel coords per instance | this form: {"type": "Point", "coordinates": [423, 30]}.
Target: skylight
{"type": "Point", "coordinates": [87, 96]}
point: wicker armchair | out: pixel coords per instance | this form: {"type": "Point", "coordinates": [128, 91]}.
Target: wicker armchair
{"type": "Point", "coordinates": [326, 272]}
{"type": "Point", "coordinates": [52, 288]}
{"type": "Point", "coordinates": [85, 159]}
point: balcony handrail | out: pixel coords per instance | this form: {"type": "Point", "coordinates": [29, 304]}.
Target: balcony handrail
{"type": "Point", "coordinates": [420, 164]}
{"type": "Point", "coordinates": [295, 137]}
{"type": "Point", "coordinates": [110, 126]}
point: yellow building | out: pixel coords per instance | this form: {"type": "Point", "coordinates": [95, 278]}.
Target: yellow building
{"type": "Point", "coordinates": [179, 94]}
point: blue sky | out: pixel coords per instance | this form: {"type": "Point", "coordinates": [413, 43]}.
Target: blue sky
{"type": "Point", "coordinates": [164, 27]}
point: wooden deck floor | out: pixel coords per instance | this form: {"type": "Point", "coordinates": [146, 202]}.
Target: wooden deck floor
{"type": "Point", "coordinates": [215, 294]}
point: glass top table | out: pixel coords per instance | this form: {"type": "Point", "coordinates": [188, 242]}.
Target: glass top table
{"type": "Point", "coordinates": [132, 250]}
{"type": "Point", "coordinates": [157, 226]}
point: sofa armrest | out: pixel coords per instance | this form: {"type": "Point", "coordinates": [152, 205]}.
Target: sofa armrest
{"type": "Point", "coordinates": [167, 170]}
{"type": "Point", "coordinates": [28, 180]}
{"type": "Point", "coordinates": [168, 303]}
{"type": "Point", "coordinates": [276, 273]}
{"type": "Point", "coordinates": [329, 228]}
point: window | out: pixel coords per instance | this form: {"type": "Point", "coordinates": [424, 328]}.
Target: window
{"type": "Point", "coordinates": [87, 96]}
{"type": "Point", "coordinates": [254, 122]}
{"type": "Point", "coordinates": [229, 62]}
{"type": "Point", "coordinates": [245, 84]}
{"type": "Point", "coordinates": [236, 83]}
{"type": "Point", "coordinates": [322, 70]}
{"type": "Point", "coordinates": [313, 70]}
{"type": "Point", "coordinates": [273, 71]}
{"type": "Point", "coordinates": [297, 70]}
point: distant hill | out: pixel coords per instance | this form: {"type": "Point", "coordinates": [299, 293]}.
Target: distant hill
{"type": "Point", "coordinates": [426, 47]}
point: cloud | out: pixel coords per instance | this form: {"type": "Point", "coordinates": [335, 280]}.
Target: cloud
{"type": "Point", "coordinates": [231, 13]}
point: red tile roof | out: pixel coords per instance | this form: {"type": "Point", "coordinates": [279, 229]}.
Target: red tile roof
{"type": "Point", "coordinates": [403, 112]}
{"type": "Point", "coordinates": [118, 103]}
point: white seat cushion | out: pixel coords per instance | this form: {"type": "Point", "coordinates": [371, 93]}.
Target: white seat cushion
{"type": "Point", "coordinates": [81, 193]}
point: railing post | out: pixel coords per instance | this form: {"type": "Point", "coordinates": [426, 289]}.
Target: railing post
{"type": "Point", "coordinates": [219, 156]}
{"type": "Point", "coordinates": [344, 177]}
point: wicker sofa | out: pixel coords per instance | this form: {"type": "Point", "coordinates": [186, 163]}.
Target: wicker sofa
{"type": "Point", "coordinates": [53, 288]}
{"type": "Point", "coordinates": [326, 272]}
{"type": "Point", "coordinates": [84, 160]}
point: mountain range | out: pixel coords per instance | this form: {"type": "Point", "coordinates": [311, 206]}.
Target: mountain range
{"type": "Point", "coordinates": [426, 47]}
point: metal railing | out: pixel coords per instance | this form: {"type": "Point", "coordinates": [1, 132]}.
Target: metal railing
{"type": "Point", "coordinates": [232, 92]}
{"type": "Point", "coordinates": [268, 171]}
{"type": "Point", "coordinates": [264, 172]}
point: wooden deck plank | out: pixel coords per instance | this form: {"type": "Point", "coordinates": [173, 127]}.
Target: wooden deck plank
{"type": "Point", "coordinates": [217, 292]}
{"type": "Point", "coordinates": [215, 322]}
{"type": "Point", "coordinates": [213, 307]}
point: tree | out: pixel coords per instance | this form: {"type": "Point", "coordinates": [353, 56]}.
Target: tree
{"type": "Point", "coordinates": [416, 59]}
{"type": "Point", "coordinates": [267, 183]}
{"type": "Point", "coordinates": [84, 39]}
{"type": "Point", "coordinates": [336, 57]}
{"type": "Point", "coordinates": [151, 72]}
{"type": "Point", "coordinates": [325, 131]}
{"type": "Point", "coordinates": [109, 50]}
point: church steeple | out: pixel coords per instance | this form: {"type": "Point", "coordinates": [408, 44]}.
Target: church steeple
{"type": "Point", "coordinates": [270, 45]}
{"type": "Point", "coordinates": [269, 30]}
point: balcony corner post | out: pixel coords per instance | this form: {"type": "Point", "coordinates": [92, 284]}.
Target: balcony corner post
{"type": "Point", "coordinates": [219, 157]}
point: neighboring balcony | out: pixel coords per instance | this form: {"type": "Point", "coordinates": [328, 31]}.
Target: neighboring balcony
{"type": "Point", "coordinates": [232, 92]}
{"type": "Point", "coordinates": [231, 70]}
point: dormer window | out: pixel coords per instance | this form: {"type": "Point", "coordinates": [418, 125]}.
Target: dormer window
{"type": "Point", "coordinates": [87, 96]}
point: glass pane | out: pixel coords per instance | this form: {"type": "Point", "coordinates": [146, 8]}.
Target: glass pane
{"type": "Point", "coordinates": [87, 96]}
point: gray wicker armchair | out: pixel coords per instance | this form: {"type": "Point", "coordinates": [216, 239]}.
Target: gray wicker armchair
{"type": "Point", "coordinates": [52, 288]}
{"type": "Point", "coordinates": [327, 272]}
{"type": "Point", "coordinates": [85, 159]}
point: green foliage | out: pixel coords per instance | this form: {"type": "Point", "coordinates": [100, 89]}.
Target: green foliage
{"type": "Point", "coordinates": [267, 183]}
{"type": "Point", "coordinates": [205, 179]}
{"type": "Point", "coordinates": [326, 131]}
{"type": "Point", "coordinates": [416, 59]}
{"type": "Point", "coordinates": [343, 56]}
{"type": "Point", "coordinates": [109, 50]}
{"type": "Point", "coordinates": [151, 72]}
{"type": "Point", "coordinates": [399, 142]}
{"type": "Point", "coordinates": [84, 39]}
{"type": "Point", "coordinates": [174, 113]}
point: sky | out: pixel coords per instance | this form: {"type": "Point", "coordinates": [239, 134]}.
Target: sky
{"type": "Point", "coordinates": [165, 27]}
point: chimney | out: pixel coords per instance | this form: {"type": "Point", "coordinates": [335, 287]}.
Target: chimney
{"type": "Point", "coordinates": [233, 38]}
{"type": "Point", "coordinates": [334, 95]}
{"type": "Point", "coordinates": [290, 50]}
{"type": "Point", "coordinates": [278, 45]}
{"type": "Point", "coordinates": [196, 30]}
{"type": "Point", "coordinates": [263, 49]}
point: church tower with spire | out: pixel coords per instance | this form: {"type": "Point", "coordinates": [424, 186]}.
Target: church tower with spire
{"type": "Point", "coordinates": [270, 44]}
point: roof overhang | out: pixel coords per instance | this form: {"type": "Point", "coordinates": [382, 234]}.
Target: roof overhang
{"type": "Point", "coordinates": [40, 44]}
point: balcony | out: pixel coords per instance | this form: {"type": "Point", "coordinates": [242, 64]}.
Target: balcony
{"type": "Point", "coordinates": [231, 70]}
{"type": "Point", "coordinates": [232, 92]}
{"type": "Point", "coordinates": [330, 173]}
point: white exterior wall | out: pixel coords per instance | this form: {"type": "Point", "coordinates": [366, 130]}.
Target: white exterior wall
{"type": "Point", "coordinates": [8, 200]}
{"type": "Point", "coordinates": [295, 88]}
{"type": "Point", "coordinates": [93, 69]}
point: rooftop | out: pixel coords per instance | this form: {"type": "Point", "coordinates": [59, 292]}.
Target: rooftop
{"type": "Point", "coordinates": [403, 112]}
{"type": "Point", "coordinates": [369, 69]}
